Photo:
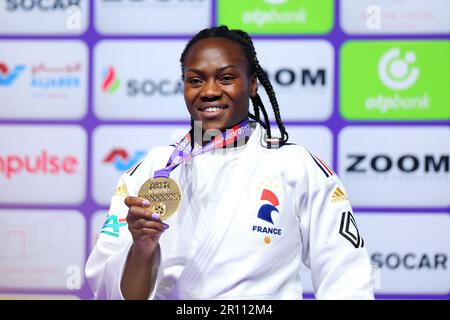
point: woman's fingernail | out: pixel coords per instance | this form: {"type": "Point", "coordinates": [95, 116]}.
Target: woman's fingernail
{"type": "Point", "coordinates": [156, 216]}
{"type": "Point", "coordinates": [165, 226]}
{"type": "Point", "coordinates": [146, 203]}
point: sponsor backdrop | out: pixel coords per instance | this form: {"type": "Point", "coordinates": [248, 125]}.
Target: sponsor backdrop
{"type": "Point", "coordinates": [87, 88]}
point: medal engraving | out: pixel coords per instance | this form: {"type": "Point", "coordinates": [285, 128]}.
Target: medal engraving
{"type": "Point", "coordinates": [164, 195]}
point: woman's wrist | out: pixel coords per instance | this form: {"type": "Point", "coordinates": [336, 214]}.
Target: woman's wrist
{"type": "Point", "coordinates": [141, 255]}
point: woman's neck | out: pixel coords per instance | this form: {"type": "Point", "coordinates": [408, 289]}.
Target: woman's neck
{"type": "Point", "coordinates": [207, 135]}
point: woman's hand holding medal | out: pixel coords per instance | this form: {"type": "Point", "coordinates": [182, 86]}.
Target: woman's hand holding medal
{"type": "Point", "coordinates": [145, 226]}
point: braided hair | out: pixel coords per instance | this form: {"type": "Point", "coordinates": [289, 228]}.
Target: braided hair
{"type": "Point", "coordinates": [254, 68]}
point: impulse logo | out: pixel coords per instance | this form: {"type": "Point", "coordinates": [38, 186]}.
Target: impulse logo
{"type": "Point", "coordinates": [7, 77]}
{"type": "Point", "coordinates": [110, 83]}
{"type": "Point", "coordinates": [265, 213]}
{"type": "Point", "coordinates": [121, 159]}
{"type": "Point", "coordinates": [43, 163]}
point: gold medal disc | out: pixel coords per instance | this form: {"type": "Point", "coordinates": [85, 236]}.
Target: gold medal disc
{"type": "Point", "coordinates": [164, 195]}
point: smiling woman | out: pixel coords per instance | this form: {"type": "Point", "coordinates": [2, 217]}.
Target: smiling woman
{"type": "Point", "coordinates": [231, 58]}
{"type": "Point", "coordinates": [245, 209]}
{"type": "Point", "coordinates": [217, 83]}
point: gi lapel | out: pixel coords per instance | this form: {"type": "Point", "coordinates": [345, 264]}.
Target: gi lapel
{"type": "Point", "coordinates": [211, 242]}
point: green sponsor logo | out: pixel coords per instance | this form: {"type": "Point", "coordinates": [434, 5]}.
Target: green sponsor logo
{"type": "Point", "coordinates": [395, 80]}
{"type": "Point", "coordinates": [277, 16]}
{"type": "Point", "coordinates": [112, 225]}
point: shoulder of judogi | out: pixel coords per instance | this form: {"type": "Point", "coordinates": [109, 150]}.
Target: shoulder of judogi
{"type": "Point", "coordinates": [306, 166]}
{"type": "Point", "coordinates": [316, 171]}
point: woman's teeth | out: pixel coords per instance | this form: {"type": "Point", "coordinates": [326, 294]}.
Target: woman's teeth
{"type": "Point", "coordinates": [213, 109]}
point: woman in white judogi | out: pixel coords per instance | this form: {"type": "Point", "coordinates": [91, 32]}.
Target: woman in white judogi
{"type": "Point", "coordinates": [253, 209]}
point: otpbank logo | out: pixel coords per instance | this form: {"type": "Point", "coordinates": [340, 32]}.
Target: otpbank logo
{"type": "Point", "coordinates": [110, 82]}
{"type": "Point", "coordinates": [265, 213]}
{"type": "Point", "coordinates": [398, 80]}
{"type": "Point", "coordinates": [9, 75]}
{"type": "Point", "coordinates": [122, 160]}
{"type": "Point", "coordinates": [277, 16]}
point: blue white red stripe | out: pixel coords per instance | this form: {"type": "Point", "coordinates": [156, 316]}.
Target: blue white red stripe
{"type": "Point", "coordinates": [133, 168]}
{"type": "Point", "coordinates": [325, 169]}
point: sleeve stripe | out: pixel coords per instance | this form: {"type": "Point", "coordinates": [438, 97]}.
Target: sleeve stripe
{"type": "Point", "coordinates": [321, 168]}
{"type": "Point", "coordinates": [132, 170]}
{"type": "Point", "coordinates": [326, 167]}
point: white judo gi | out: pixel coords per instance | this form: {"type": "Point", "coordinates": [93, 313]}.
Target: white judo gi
{"type": "Point", "coordinates": [248, 219]}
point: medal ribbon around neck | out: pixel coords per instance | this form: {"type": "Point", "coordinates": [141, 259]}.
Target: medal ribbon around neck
{"type": "Point", "coordinates": [162, 191]}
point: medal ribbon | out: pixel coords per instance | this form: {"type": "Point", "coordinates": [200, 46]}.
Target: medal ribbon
{"type": "Point", "coordinates": [183, 150]}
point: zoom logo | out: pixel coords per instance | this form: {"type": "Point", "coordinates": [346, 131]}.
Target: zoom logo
{"type": "Point", "coordinates": [395, 166]}
{"type": "Point", "coordinates": [396, 72]}
{"type": "Point", "coordinates": [287, 77]}
{"type": "Point", "coordinates": [428, 163]}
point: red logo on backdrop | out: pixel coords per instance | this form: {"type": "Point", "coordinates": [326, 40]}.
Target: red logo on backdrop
{"type": "Point", "coordinates": [42, 163]}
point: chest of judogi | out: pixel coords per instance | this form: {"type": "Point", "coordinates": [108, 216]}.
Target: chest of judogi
{"type": "Point", "coordinates": [264, 228]}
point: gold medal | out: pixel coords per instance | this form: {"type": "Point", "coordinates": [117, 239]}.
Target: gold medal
{"type": "Point", "coordinates": [164, 195]}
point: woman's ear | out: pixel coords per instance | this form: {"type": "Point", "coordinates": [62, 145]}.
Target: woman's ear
{"type": "Point", "coordinates": [253, 86]}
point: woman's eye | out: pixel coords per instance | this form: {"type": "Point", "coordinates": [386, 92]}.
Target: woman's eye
{"type": "Point", "coordinates": [195, 82]}
{"type": "Point", "coordinates": [227, 79]}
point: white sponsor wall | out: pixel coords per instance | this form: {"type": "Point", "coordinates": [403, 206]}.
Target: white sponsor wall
{"type": "Point", "coordinates": [318, 140]}
{"type": "Point", "coordinates": [152, 16]}
{"type": "Point", "coordinates": [378, 172]}
{"type": "Point", "coordinates": [42, 249]}
{"type": "Point", "coordinates": [409, 252]}
{"type": "Point", "coordinates": [301, 73]}
{"type": "Point", "coordinates": [395, 17]}
{"type": "Point", "coordinates": [144, 76]}
{"type": "Point", "coordinates": [118, 148]}
{"type": "Point", "coordinates": [62, 17]}
{"type": "Point", "coordinates": [44, 79]}
{"type": "Point", "coordinates": [43, 164]}
{"type": "Point", "coordinates": [97, 221]}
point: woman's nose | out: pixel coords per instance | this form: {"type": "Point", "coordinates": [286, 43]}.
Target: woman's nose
{"type": "Point", "coordinates": [210, 90]}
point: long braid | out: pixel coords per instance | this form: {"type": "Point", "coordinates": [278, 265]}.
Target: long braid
{"type": "Point", "coordinates": [256, 110]}
{"type": "Point", "coordinates": [246, 44]}
{"type": "Point", "coordinates": [264, 80]}
{"type": "Point", "coordinates": [262, 77]}
{"type": "Point", "coordinates": [257, 102]}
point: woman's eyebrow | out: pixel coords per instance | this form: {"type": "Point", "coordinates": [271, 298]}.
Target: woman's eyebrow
{"type": "Point", "coordinates": [226, 67]}
{"type": "Point", "coordinates": [218, 70]}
